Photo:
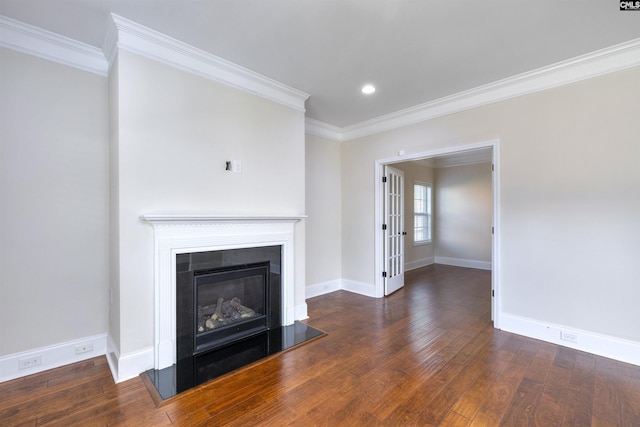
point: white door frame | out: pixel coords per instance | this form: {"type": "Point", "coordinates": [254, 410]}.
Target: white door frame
{"type": "Point", "coordinates": [379, 216]}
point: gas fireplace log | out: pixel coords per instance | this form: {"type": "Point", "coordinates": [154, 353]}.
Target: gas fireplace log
{"type": "Point", "coordinates": [218, 312]}
{"type": "Point", "coordinates": [206, 311]}
{"type": "Point", "coordinates": [245, 312]}
{"type": "Point", "coordinates": [229, 311]}
{"type": "Point", "coordinates": [222, 314]}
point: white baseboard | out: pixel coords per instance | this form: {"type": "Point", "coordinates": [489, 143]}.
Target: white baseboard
{"type": "Point", "coordinates": [602, 345]}
{"type": "Point", "coordinates": [130, 365]}
{"type": "Point", "coordinates": [112, 358]}
{"type": "Point", "coordinates": [133, 364]}
{"type": "Point", "coordinates": [460, 262]}
{"type": "Point", "coordinates": [412, 265]}
{"type": "Point", "coordinates": [322, 288]}
{"type": "Point", "coordinates": [300, 312]}
{"type": "Point", "coordinates": [52, 356]}
{"type": "Point", "coordinates": [359, 287]}
{"type": "Point", "coordinates": [329, 286]}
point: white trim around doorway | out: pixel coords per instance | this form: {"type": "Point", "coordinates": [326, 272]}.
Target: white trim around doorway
{"type": "Point", "coordinates": [379, 213]}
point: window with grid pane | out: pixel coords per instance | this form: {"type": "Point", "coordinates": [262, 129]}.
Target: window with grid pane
{"type": "Point", "coordinates": [421, 212]}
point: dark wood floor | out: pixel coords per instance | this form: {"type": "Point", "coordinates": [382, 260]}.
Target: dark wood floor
{"type": "Point", "coordinates": [426, 355]}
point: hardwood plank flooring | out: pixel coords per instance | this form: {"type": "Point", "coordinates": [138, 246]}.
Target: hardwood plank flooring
{"type": "Point", "coordinates": [427, 355]}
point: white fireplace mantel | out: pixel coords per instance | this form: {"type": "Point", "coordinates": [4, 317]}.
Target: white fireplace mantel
{"type": "Point", "coordinates": [178, 234]}
{"type": "Point", "coordinates": [210, 219]}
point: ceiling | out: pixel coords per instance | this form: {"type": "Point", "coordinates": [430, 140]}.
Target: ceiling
{"type": "Point", "coordinates": [413, 51]}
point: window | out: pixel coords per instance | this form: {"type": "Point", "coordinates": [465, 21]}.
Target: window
{"type": "Point", "coordinates": [421, 212]}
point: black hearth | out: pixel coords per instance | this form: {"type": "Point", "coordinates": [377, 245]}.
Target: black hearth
{"type": "Point", "coordinates": [187, 373]}
{"type": "Point", "coordinates": [228, 315]}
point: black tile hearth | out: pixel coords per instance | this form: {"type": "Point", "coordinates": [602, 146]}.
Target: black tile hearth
{"type": "Point", "coordinates": [199, 369]}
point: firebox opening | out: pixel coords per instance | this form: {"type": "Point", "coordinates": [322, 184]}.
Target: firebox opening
{"type": "Point", "coordinates": [230, 303]}
{"type": "Point", "coordinates": [225, 296]}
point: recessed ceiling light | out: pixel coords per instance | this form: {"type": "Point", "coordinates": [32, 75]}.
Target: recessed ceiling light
{"type": "Point", "coordinates": [368, 89]}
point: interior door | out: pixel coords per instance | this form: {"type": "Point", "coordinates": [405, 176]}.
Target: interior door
{"type": "Point", "coordinates": [393, 229]}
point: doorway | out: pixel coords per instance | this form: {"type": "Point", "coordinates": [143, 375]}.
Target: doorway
{"type": "Point", "coordinates": [382, 241]}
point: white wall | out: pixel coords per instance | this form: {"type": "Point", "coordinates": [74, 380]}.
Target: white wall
{"type": "Point", "coordinates": [114, 205]}
{"type": "Point", "coordinates": [415, 255]}
{"type": "Point", "coordinates": [323, 201]}
{"type": "Point", "coordinates": [175, 132]}
{"type": "Point", "coordinates": [53, 203]}
{"type": "Point", "coordinates": [570, 199]}
{"type": "Point", "coordinates": [463, 214]}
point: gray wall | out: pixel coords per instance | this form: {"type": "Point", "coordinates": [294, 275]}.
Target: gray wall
{"type": "Point", "coordinates": [324, 210]}
{"type": "Point", "coordinates": [569, 202]}
{"type": "Point", "coordinates": [463, 213]}
{"type": "Point", "coordinates": [54, 203]}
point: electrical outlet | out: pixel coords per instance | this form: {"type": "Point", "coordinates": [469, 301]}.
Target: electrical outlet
{"type": "Point", "coordinates": [568, 336]}
{"type": "Point", "coordinates": [84, 348]}
{"type": "Point", "coordinates": [29, 362]}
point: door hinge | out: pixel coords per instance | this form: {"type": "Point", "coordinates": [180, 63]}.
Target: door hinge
{"type": "Point", "coordinates": [493, 293]}
{"type": "Point", "coordinates": [384, 274]}
{"type": "Point", "coordinates": [384, 226]}
{"type": "Point", "coordinates": [492, 167]}
{"type": "Point", "coordinates": [493, 230]}
{"type": "Point", "coordinates": [384, 179]}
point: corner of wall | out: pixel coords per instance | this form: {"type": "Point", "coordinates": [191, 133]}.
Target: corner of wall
{"type": "Point", "coordinates": [329, 286]}
{"type": "Point", "coordinates": [322, 288]}
{"type": "Point", "coordinates": [128, 366]}
{"type": "Point", "coordinates": [412, 265]}
{"type": "Point", "coordinates": [300, 312]}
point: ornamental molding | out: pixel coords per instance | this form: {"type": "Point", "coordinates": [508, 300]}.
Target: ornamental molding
{"type": "Point", "coordinates": [325, 130]}
{"type": "Point", "coordinates": [31, 40]}
{"type": "Point", "coordinates": [132, 37]}
{"type": "Point", "coordinates": [171, 220]}
{"type": "Point", "coordinates": [615, 58]}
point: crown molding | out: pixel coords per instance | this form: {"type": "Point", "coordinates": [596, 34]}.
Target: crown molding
{"type": "Point", "coordinates": [130, 36]}
{"type": "Point", "coordinates": [25, 38]}
{"type": "Point", "coordinates": [604, 61]}
{"type": "Point", "coordinates": [127, 35]}
{"type": "Point", "coordinates": [325, 130]}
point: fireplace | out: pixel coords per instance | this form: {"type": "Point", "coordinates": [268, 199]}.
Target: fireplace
{"type": "Point", "coordinates": [182, 244]}
{"type": "Point", "coordinates": [210, 255]}
{"type": "Point", "coordinates": [225, 296]}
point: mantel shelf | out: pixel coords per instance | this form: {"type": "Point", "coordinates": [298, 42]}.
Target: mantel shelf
{"type": "Point", "coordinates": [203, 218]}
